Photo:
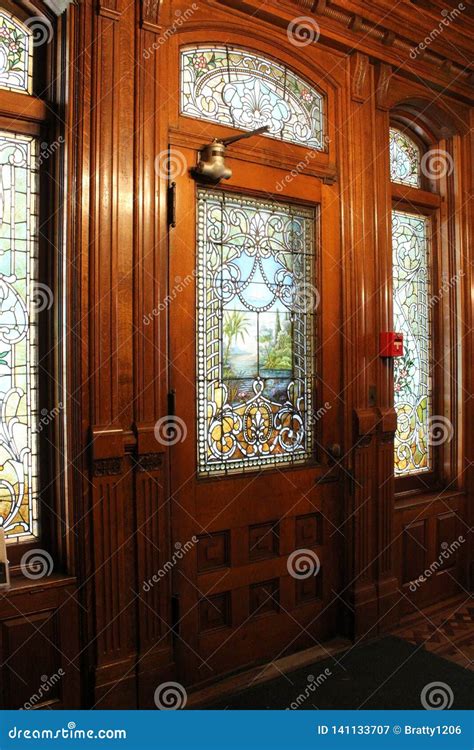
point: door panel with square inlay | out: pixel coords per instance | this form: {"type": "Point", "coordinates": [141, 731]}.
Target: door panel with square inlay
{"type": "Point", "coordinates": [249, 365]}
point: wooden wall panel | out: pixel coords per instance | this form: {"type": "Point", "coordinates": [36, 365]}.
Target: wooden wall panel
{"type": "Point", "coordinates": [432, 545]}
{"type": "Point", "coordinates": [123, 111]}
{"type": "Point", "coordinates": [39, 644]}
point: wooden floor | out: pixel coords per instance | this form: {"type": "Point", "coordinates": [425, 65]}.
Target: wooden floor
{"type": "Point", "coordinates": [446, 629]}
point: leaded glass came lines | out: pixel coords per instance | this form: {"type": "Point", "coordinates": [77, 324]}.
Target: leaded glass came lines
{"type": "Point", "coordinates": [255, 326]}
{"type": "Point", "coordinates": [18, 336]}
{"type": "Point", "coordinates": [405, 159]}
{"type": "Point", "coordinates": [16, 54]}
{"type": "Point", "coordinates": [412, 380]}
{"type": "Point", "coordinates": [238, 88]}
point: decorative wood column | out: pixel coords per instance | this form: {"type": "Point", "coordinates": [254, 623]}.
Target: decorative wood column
{"type": "Point", "coordinates": [387, 583]}
{"type": "Point", "coordinates": [150, 357]}
{"type": "Point", "coordinates": [360, 377]}
{"type": "Point", "coordinates": [104, 137]}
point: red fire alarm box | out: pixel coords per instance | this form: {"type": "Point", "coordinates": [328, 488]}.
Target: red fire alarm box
{"type": "Point", "coordinates": [391, 344]}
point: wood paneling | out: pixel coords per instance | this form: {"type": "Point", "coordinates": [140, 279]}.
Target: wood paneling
{"type": "Point", "coordinates": [123, 114]}
{"type": "Point", "coordinates": [39, 645]}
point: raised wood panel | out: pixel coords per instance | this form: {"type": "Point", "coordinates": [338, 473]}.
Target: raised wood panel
{"type": "Point", "coordinates": [309, 530]}
{"type": "Point", "coordinates": [263, 541]}
{"type": "Point", "coordinates": [415, 551]}
{"type": "Point", "coordinates": [213, 551]}
{"type": "Point", "coordinates": [263, 598]}
{"type": "Point", "coordinates": [23, 676]}
{"type": "Point", "coordinates": [39, 643]}
{"type": "Point", "coordinates": [432, 550]}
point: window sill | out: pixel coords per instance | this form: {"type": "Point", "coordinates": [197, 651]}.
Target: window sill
{"type": "Point", "coordinates": [22, 585]}
{"type": "Point", "coordinates": [412, 498]}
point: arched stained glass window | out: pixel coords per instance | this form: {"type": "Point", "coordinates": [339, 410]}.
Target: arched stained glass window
{"type": "Point", "coordinates": [238, 88]}
{"type": "Point", "coordinates": [16, 54]}
{"type": "Point", "coordinates": [405, 159]}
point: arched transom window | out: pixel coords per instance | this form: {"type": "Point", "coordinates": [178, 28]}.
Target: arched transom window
{"type": "Point", "coordinates": [241, 89]}
{"type": "Point", "coordinates": [16, 54]}
{"type": "Point", "coordinates": [405, 159]}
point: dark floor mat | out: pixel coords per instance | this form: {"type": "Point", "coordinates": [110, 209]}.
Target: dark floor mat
{"type": "Point", "coordinates": [387, 674]}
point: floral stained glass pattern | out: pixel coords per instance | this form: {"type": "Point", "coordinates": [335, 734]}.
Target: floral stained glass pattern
{"type": "Point", "coordinates": [405, 159]}
{"type": "Point", "coordinates": [255, 332]}
{"type": "Point", "coordinates": [412, 381]}
{"type": "Point", "coordinates": [243, 90]}
{"type": "Point", "coordinates": [18, 336]}
{"type": "Point", "coordinates": [16, 54]}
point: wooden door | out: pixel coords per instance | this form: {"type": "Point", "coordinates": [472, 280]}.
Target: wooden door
{"type": "Point", "coordinates": [255, 366]}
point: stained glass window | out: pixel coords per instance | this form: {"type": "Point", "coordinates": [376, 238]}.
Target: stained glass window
{"type": "Point", "coordinates": [412, 381]}
{"type": "Point", "coordinates": [241, 89]}
{"type": "Point", "coordinates": [16, 54]}
{"type": "Point", "coordinates": [256, 306]}
{"type": "Point", "coordinates": [405, 159]}
{"type": "Point", "coordinates": [18, 336]}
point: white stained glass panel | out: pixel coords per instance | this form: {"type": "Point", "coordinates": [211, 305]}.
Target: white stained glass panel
{"type": "Point", "coordinates": [18, 336]}
{"type": "Point", "coordinates": [405, 159]}
{"type": "Point", "coordinates": [411, 309]}
{"type": "Point", "coordinates": [238, 88]}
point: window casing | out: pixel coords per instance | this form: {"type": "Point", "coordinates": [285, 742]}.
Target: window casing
{"type": "Point", "coordinates": [414, 277]}
{"type": "Point", "coordinates": [28, 268]}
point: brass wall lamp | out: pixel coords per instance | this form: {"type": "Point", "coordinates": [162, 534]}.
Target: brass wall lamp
{"type": "Point", "coordinates": [211, 166]}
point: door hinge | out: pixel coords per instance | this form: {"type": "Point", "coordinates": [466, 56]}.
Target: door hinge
{"type": "Point", "coordinates": [175, 618]}
{"type": "Point", "coordinates": [171, 207]}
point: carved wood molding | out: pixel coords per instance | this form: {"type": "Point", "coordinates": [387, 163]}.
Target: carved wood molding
{"type": "Point", "coordinates": [107, 451]}
{"type": "Point", "coordinates": [360, 82]}
{"type": "Point", "coordinates": [110, 9]}
{"type": "Point", "coordinates": [150, 15]}
{"type": "Point", "coordinates": [366, 424]}
{"type": "Point", "coordinates": [342, 25]}
{"type": "Point", "coordinates": [387, 424]}
{"type": "Point", "coordinates": [149, 462]}
{"type": "Point", "coordinates": [382, 84]}
{"type": "Point", "coordinates": [104, 467]}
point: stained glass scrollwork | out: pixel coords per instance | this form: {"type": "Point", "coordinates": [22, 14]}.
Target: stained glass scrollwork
{"type": "Point", "coordinates": [18, 336]}
{"type": "Point", "coordinates": [412, 379]}
{"type": "Point", "coordinates": [16, 54]}
{"type": "Point", "coordinates": [255, 324]}
{"type": "Point", "coordinates": [405, 159]}
{"type": "Point", "coordinates": [241, 89]}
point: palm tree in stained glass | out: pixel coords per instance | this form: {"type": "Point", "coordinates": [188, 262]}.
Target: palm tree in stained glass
{"type": "Point", "coordinates": [235, 325]}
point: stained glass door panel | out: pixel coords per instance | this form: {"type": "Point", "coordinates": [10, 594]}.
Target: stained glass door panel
{"type": "Point", "coordinates": [255, 332]}
{"type": "Point", "coordinates": [255, 321]}
{"type": "Point", "coordinates": [411, 310]}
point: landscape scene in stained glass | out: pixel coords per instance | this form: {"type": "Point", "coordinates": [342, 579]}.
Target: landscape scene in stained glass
{"type": "Point", "coordinates": [255, 332]}
{"type": "Point", "coordinates": [238, 88]}
{"type": "Point", "coordinates": [411, 309]}
{"type": "Point", "coordinates": [16, 54]}
{"type": "Point", "coordinates": [18, 337]}
{"type": "Point", "coordinates": [404, 159]}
